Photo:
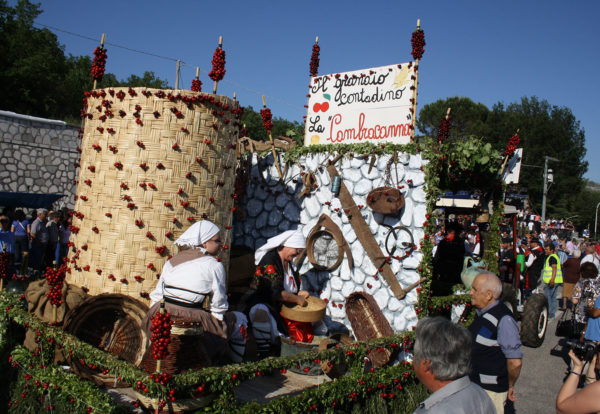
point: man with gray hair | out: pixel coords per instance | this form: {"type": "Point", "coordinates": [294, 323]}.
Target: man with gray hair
{"type": "Point", "coordinates": [441, 363]}
{"type": "Point", "coordinates": [39, 239]}
{"type": "Point", "coordinates": [496, 356]}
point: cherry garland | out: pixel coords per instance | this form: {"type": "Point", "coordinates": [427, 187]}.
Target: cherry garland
{"type": "Point", "coordinates": [196, 85]}
{"type": "Point", "coordinates": [161, 333]}
{"type": "Point", "coordinates": [418, 42]}
{"type": "Point", "coordinates": [218, 65]}
{"type": "Point", "coordinates": [4, 262]}
{"type": "Point", "coordinates": [314, 60]}
{"type": "Point", "coordinates": [444, 129]}
{"type": "Point", "coordinates": [267, 116]}
{"type": "Point", "coordinates": [98, 64]}
{"type": "Point", "coordinates": [55, 279]}
{"type": "Point", "coordinates": [511, 146]}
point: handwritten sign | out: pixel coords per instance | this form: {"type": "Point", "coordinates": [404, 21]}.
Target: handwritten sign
{"type": "Point", "coordinates": [369, 105]}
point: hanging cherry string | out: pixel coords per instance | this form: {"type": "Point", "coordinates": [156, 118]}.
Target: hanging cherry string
{"type": "Point", "coordinates": [218, 63]}
{"type": "Point", "coordinates": [55, 279]}
{"type": "Point", "coordinates": [4, 261]}
{"type": "Point", "coordinates": [267, 116]}
{"type": "Point", "coordinates": [512, 145]}
{"type": "Point", "coordinates": [98, 64]}
{"type": "Point", "coordinates": [444, 129]}
{"type": "Point", "coordinates": [314, 58]}
{"type": "Point", "coordinates": [197, 83]}
{"type": "Point", "coordinates": [418, 42]}
{"type": "Point", "coordinates": [161, 333]}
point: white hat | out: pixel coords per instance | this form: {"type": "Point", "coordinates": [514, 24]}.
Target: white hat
{"type": "Point", "coordinates": [291, 238]}
{"type": "Point", "coordinates": [200, 232]}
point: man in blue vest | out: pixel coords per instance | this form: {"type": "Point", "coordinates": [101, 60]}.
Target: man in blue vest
{"type": "Point", "coordinates": [552, 278]}
{"type": "Point", "coordinates": [496, 356]}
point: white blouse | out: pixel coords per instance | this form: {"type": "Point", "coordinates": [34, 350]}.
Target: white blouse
{"type": "Point", "coordinates": [191, 281]}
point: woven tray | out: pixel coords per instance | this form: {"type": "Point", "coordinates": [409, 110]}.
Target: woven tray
{"type": "Point", "coordinates": [140, 167]}
{"type": "Point", "coordinates": [368, 322]}
{"type": "Point", "coordinates": [313, 312]}
{"type": "Point", "coordinates": [111, 322]}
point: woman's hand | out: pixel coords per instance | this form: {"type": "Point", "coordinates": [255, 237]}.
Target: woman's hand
{"type": "Point", "coordinates": [301, 301]}
{"type": "Point", "coordinates": [304, 294]}
{"type": "Point", "coordinates": [577, 363]}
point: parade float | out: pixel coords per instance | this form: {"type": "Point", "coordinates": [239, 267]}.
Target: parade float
{"type": "Point", "coordinates": [361, 189]}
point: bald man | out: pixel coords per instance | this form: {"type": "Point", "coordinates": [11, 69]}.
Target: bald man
{"type": "Point", "coordinates": [496, 356]}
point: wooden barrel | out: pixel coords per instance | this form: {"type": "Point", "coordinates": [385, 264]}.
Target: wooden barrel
{"type": "Point", "coordinates": [152, 162]}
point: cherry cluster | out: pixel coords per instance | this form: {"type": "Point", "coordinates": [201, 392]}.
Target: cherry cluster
{"type": "Point", "coordinates": [444, 130]}
{"type": "Point", "coordinates": [418, 42]}
{"type": "Point", "coordinates": [98, 64]}
{"type": "Point", "coordinates": [218, 61]}
{"type": "Point", "coordinates": [55, 279]}
{"type": "Point", "coordinates": [4, 260]}
{"type": "Point", "coordinates": [196, 85]}
{"type": "Point", "coordinates": [161, 334]}
{"type": "Point", "coordinates": [161, 378]}
{"type": "Point", "coordinates": [314, 60]}
{"type": "Point", "coordinates": [266, 117]}
{"type": "Point", "coordinates": [512, 145]}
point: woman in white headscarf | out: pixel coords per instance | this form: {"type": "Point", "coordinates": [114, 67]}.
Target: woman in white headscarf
{"type": "Point", "coordinates": [192, 278]}
{"type": "Point", "coordinates": [278, 282]}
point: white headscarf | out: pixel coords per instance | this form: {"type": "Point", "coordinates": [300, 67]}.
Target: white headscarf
{"type": "Point", "coordinates": [200, 232]}
{"type": "Point", "coordinates": [291, 238]}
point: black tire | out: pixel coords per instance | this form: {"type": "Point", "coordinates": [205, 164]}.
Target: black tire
{"type": "Point", "coordinates": [534, 320]}
{"type": "Point", "coordinates": [509, 298]}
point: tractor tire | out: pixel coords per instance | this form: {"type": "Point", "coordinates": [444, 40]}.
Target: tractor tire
{"type": "Point", "coordinates": [509, 298]}
{"type": "Point", "coordinates": [534, 320]}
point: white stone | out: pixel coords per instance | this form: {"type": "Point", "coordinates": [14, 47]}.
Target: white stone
{"type": "Point", "coordinates": [417, 178]}
{"type": "Point", "coordinates": [372, 284]}
{"type": "Point", "coordinates": [293, 170]}
{"type": "Point", "coordinates": [337, 297]}
{"type": "Point", "coordinates": [336, 312]}
{"type": "Point", "coordinates": [403, 158]}
{"type": "Point", "coordinates": [254, 207]}
{"type": "Point", "coordinates": [418, 194]}
{"type": "Point", "coordinates": [326, 291]}
{"type": "Point", "coordinates": [381, 297]}
{"type": "Point", "coordinates": [382, 161]}
{"type": "Point", "coordinates": [407, 212]}
{"type": "Point", "coordinates": [303, 216]}
{"type": "Point", "coordinates": [351, 174]}
{"type": "Point", "coordinates": [282, 199]}
{"type": "Point", "coordinates": [394, 304]}
{"type": "Point", "coordinates": [408, 277]}
{"type": "Point", "coordinates": [312, 206]}
{"type": "Point", "coordinates": [350, 186]}
{"type": "Point", "coordinates": [363, 187]}
{"type": "Point", "coordinates": [291, 212]}
{"type": "Point", "coordinates": [415, 162]}
{"type": "Point", "coordinates": [269, 204]}
{"type": "Point", "coordinates": [358, 276]}
{"type": "Point", "coordinates": [348, 288]}
{"type": "Point", "coordinates": [373, 175]}
{"type": "Point", "coordinates": [310, 162]}
{"type": "Point", "coordinates": [418, 235]}
{"type": "Point", "coordinates": [411, 262]}
{"type": "Point", "coordinates": [457, 311]}
{"type": "Point", "coordinates": [323, 195]}
{"type": "Point", "coordinates": [419, 215]}
{"type": "Point", "coordinates": [336, 283]}
{"type": "Point", "coordinates": [344, 269]}
{"type": "Point", "coordinates": [275, 217]}
{"type": "Point", "coordinates": [348, 233]}
{"type": "Point", "coordinates": [323, 178]}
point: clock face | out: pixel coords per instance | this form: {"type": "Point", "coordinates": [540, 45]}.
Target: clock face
{"type": "Point", "coordinates": [326, 251]}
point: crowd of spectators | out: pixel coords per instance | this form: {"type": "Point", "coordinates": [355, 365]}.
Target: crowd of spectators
{"type": "Point", "coordinates": [36, 240]}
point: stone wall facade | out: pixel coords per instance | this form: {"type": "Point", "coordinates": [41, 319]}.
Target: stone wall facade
{"type": "Point", "coordinates": [271, 208]}
{"type": "Point", "coordinates": [38, 156]}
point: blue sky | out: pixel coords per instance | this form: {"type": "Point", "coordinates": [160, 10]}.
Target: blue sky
{"type": "Point", "coordinates": [488, 51]}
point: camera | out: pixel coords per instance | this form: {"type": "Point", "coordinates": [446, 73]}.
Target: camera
{"type": "Point", "coordinates": [584, 350]}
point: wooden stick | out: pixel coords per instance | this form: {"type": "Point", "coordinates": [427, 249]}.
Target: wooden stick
{"type": "Point", "coordinates": [414, 115]}
{"type": "Point", "coordinates": [102, 46]}
{"type": "Point", "coordinates": [197, 72]}
{"type": "Point", "coordinates": [317, 40]}
{"type": "Point", "coordinates": [217, 82]}
{"type": "Point", "coordinates": [273, 146]}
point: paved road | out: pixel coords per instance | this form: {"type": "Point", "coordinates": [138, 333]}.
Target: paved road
{"type": "Point", "coordinates": [541, 376]}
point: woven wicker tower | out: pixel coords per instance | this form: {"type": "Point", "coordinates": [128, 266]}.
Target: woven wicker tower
{"type": "Point", "coordinates": [152, 163]}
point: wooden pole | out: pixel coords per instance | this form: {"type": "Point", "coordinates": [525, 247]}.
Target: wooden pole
{"type": "Point", "coordinates": [217, 82]}
{"type": "Point", "coordinates": [177, 66]}
{"type": "Point", "coordinates": [414, 114]}
{"type": "Point", "coordinates": [102, 46]}
{"type": "Point", "coordinates": [197, 72]}
{"type": "Point", "coordinates": [273, 145]}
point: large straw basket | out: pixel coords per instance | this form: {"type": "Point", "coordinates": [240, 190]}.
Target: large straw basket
{"type": "Point", "coordinates": [152, 163]}
{"type": "Point", "coordinates": [112, 322]}
{"type": "Point", "coordinates": [368, 322]}
{"type": "Point", "coordinates": [313, 311]}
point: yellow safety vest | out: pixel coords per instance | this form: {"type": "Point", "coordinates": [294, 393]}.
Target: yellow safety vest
{"type": "Point", "coordinates": [547, 271]}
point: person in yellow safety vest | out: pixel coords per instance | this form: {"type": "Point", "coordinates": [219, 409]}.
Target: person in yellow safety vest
{"type": "Point", "coordinates": [552, 277]}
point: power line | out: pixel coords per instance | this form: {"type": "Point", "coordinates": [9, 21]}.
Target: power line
{"type": "Point", "coordinates": [237, 85]}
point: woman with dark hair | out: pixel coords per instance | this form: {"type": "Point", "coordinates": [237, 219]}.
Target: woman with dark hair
{"type": "Point", "coordinates": [20, 227]}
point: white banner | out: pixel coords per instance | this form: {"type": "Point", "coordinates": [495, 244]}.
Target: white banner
{"type": "Point", "coordinates": [369, 105]}
{"type": "Point", "coordinates": [513, 167]}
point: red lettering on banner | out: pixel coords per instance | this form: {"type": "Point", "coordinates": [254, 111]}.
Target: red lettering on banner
{"type": "Point", "coordinates": [373, 132]}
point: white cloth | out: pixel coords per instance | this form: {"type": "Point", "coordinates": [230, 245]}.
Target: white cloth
{"type": "Point", "coordinates": [191, 281]}
{"type": "Point", "coordinates": [290, 238]}
{"type": "Point", "coordinates": [200, 232]}
{"type": "Point", "coordinates": [591, 258]}
{"type": "Point", "coordinates": [289, 283]}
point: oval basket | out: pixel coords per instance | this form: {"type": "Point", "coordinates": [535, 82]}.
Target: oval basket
{"type": "Point", "coordinates": [385, 200]}
{"type": "Point", "coordinates": [310, 250]}
{"type": "Point", "coordinates": [113, 323]}
{"type": "Point", "coordinates": [313, 312]}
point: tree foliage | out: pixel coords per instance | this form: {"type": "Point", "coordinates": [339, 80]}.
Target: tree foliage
{"type": "Point", "coordinates": [281, 127]}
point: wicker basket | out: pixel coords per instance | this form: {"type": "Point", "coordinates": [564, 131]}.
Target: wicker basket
{"type": "Point", "coordinates": [368, 322]}
{"type": "Point", "coordinates": [185, 351]}
{"type": "Point", "coordinates": [113, 323]}
{"type": "Point", "coordinates": [155, 164]}
{"type": "Point", "coordinates": [385, 200]}
{"type": "Point", "coordinates": [314, 310]}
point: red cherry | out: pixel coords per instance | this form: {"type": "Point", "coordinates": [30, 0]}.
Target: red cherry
{"type": "Point", "coordinates": [316, 107]}
{"type": "Point", "coordinates": [324, 106]}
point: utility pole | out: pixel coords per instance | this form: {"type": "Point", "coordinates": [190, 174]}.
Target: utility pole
{"type": "Point", "coordinates": [596, 222]}
{"type": "Point", "coordinates": [546, 158]}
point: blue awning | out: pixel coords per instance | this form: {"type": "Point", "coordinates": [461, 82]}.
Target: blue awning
{"type": "Point", "coordinates": [29, 200]}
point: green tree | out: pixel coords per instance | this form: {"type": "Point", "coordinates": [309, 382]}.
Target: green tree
{"type": "Point", "coordinates": [281, 127]}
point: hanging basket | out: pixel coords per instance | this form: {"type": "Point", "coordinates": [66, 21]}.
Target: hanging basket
{"type": "Point", "coordinates": [385, 200]}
